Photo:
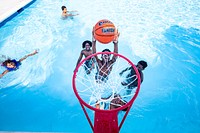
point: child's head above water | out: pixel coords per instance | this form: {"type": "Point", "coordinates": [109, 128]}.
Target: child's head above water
{"type": "Point", "coordinates": [9, 63]}
{"type": "Point", "coordinates": [64, 8]}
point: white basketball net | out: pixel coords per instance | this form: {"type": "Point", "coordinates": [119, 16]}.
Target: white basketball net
{"type": "Point", "coordinates": [103, 91]}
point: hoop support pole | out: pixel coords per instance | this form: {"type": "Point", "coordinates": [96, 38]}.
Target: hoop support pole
{"type": "Point", "coordinates": [86, 114]}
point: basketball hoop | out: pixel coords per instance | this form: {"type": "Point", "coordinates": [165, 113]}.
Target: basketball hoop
{"type": "Point", "coordinates": [105, 93]}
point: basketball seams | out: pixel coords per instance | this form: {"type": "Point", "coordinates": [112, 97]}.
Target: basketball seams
{"type": "Point", "coordinates": [111, 26]}
{"type": "Point", "coordinates": [106, 35]}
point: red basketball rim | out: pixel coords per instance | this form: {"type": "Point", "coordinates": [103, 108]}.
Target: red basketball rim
{"type": "Point", "coordinates": [95, 109]}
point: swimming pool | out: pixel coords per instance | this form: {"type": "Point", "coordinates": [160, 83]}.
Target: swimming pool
{"type": "Point", "coordinates": [39, 96]}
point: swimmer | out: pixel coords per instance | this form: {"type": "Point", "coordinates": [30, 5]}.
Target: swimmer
{"type": "Point", "coordinates": [66, 13]}
{"type": "Point", "coordinates": [86, 45]}
{"type": "Point", "coordinates": [131, 79]}
{"type": "Point", "coordinates": [13, 65]}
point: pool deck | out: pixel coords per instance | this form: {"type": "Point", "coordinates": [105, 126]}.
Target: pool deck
{"type": "Point", "coordinates": [10, 7]}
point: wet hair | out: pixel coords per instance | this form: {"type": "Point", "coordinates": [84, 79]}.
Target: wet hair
{"type": "Point", "coordinates": [85, 42]}
{"type": "Point", "coordinates": [143, 63]}
{"type": "Point", "coordinates": [106, 50]}
{"type": "Point", "coordinates": [6, 62]}
{"type": "Point", "coordinates": [63, 7]}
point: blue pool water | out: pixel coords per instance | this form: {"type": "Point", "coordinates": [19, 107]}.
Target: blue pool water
{"type": "Point", "coordinates": [39, 96]}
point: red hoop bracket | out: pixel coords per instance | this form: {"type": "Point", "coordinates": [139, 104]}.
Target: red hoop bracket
{"type": "Point", "coordinates": [106, 120]}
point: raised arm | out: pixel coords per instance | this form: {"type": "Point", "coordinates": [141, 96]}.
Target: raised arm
{"type": "Point", "coordinates": [115, 47]}
{"type": "Point", "coordinates": [94, 47]}
{"type": "Point", "coordinates": [35, 52]}
{"type": "Point", "coordinates": [4, 73]}
{"type": "Point", "coordinates": [93, 42]}
{"type": "Point", "coordinates": [115, 42]}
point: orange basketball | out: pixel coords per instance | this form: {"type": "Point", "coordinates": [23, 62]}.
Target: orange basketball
{"type": "Point", "coordinates": [104, 31]}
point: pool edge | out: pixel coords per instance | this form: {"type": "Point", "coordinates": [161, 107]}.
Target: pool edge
{"type": "Point", "coordinates": [10, 15]}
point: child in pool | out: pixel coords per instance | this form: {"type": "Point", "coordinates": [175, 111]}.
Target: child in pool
{"type": "Point", "coordinates": [66, 13]}
{"type": "Point", "coordinates": [13, 65]}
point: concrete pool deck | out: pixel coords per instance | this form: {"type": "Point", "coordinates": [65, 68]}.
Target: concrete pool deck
{"type": "Point", "coordinates": [10, 7]}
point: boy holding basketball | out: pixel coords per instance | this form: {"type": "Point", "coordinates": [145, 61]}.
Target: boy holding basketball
{"type": "Point", "coordinates": [105, 63]}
